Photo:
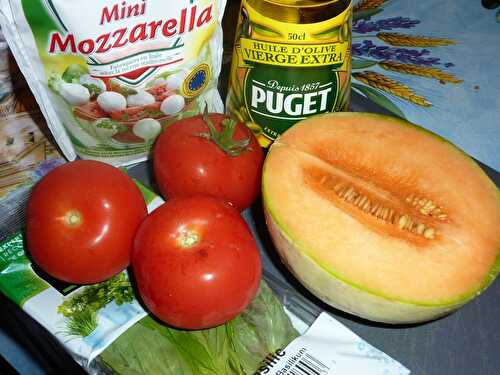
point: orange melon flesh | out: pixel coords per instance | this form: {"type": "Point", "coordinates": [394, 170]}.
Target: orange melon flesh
{"type": "Point", "coordinates": [364, 264]}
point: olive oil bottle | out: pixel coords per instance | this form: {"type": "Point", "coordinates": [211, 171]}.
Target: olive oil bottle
{"type": "Point", "coordinates": [291, 60]}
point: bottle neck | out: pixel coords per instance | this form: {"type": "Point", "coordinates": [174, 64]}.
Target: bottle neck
{"type": "Point", "coordinates": [300, 11]}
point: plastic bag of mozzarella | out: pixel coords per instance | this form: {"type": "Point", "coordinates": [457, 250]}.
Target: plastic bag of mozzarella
{"type": "Point", "coordinates": [109, 75]}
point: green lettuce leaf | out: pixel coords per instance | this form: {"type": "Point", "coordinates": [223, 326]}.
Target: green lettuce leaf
{"type": "Point", "coordinates": [261, 329]}
{"type": "Point", "coordinates": [144, 350]}
{"type": "Point", "coordinates": [235, 348]}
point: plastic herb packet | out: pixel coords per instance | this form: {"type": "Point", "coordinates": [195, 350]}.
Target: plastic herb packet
{"type": "Point", "coordinates": [106, 330]}
{"type": "Point", "coordinates": [325, 346]}
{"type": "Point", "coordinates": [84, 318]}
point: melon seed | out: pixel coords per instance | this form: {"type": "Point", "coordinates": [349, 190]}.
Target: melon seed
{"type": "Point", "coordinates": [420, 228]}
{"type": "Point", "coordinates": [429, 233]}
{"type": "Point", "coordinates": [362, 201]}
{"type": "Point", "coordinates": [429, 205]}
{"type": "Point", "coordinates": [353, 195]}
{"type": "Point", "coordinates": [358, 198]}
{"type": "Point", "coordinates": [391, 216]}
{"type": "Point", "coordinates": [402, 221]}
{"type": "Point", "coordinates": [348, 192]}
{"type": "Point", "coordinates": [337, 188]}
{"type": "Point", "coordinates": [409, 223]}
{"type": "Point", "coordinates": [383, 213]}
{"type": "Point", "coordinates": [380, 212]}
{"type": "Point", "coordinates": [436, 211]}
{"type": "Point", "coordinates": [426, 207]}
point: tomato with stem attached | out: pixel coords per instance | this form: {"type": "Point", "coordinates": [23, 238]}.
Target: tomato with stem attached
{"type": "Point", "coordinates": [81, 221]}
{"type": "Point", "coordinates": [209, 154]}
{"type": "Point", "coordinates": [195, 262]}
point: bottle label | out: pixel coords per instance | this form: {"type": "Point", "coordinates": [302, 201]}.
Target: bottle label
{"type": "Point", "coordinates": [285, 72]}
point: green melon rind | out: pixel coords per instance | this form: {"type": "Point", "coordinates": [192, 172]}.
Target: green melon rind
{"type": "Point", "coordinates": [355, 299]}
{"type": "Point", "coordinates": [349, 296]}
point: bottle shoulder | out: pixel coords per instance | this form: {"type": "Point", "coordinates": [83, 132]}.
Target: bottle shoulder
{"type": "Point", "coordinates": [300, 11]}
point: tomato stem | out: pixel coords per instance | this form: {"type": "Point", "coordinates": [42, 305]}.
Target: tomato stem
{"type": "Point", "coordinates": [224, 139]}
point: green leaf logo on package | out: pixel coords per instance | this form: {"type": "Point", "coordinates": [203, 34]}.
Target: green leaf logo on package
{"type": "Point", "coordinates": [85, 318]}
{"type": "Point", "coordinates": [111, 75]}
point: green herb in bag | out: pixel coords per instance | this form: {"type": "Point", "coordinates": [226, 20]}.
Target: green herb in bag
{"type": "Point", "coordinates": [237, 347]}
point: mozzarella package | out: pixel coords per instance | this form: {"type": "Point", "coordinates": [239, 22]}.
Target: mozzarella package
{"type": "Point", "coordinates": [110, 75]}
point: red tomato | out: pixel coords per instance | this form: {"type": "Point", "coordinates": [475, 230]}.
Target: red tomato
{"type": "Point", "coordinates": [186, 163]}
{"type": "Point", "coordinates": [81, 221]}
{"type": "Point", "coordinates": [195, 262]}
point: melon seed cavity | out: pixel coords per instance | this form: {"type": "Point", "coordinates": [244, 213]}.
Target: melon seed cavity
{"type": "Point", "coordinates": [410, 215]}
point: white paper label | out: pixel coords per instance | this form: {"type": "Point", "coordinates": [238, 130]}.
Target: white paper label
{"type": "Point", "coordinates": [330, 348]}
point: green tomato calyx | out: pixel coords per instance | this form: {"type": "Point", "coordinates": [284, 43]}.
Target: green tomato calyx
{"type": "Point", "coordinates": [224, 139]}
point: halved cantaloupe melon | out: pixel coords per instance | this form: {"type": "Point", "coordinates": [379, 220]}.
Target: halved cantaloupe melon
{"type": "Point", "coordinates": [381, 218]}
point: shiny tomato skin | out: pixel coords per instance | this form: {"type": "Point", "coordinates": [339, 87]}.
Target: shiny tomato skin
{"type": "Point", "coordinates": [81, 221]}
{"type": "Point", "coordinates": [186, 164]}
{"type": "Point", "coordinates": [195, 262]}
